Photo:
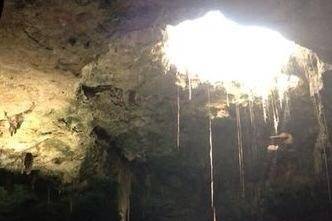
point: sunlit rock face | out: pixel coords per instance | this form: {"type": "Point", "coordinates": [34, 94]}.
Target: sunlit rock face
{"type": "Point", "coordinates": [39, 105]}
{"type": "Point", "coordinates": [43, 46]}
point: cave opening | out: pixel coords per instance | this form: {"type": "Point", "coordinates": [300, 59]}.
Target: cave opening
{"type": "Point", "coordinates": [260, 70]}
{"type": "Point", "coordinates": [216, 49]}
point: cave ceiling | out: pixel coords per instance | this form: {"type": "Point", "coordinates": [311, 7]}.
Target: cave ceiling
{"type": "Point", "coordinates": [66, 35]}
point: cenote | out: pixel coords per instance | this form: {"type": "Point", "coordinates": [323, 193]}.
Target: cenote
{"type": "Point", "coordinates": [141, 110]}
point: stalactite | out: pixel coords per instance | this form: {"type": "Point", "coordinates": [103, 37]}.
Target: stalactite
{"type": "Point", "coordinates": [240, 150]}
{"type": "Point", "coordinates": [211, 158]}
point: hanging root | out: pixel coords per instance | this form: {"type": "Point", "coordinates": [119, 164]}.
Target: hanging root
{"type": "Point", "coordinates": [240, 149]}
{"type": "Point", "coordinates": [178, 118]}
{"type": "Point", "coordinates": [211, 158]}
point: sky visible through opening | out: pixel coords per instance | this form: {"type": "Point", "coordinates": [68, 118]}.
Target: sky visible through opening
{"type": "Point", "coordinates": [217, 49]}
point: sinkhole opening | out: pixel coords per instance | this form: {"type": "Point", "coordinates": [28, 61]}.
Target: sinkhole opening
{"type": "Point", "coordinates": [218, 50]}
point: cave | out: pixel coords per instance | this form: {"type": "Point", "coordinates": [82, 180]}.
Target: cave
{"type": "Point", "coordinates": [151, 110]}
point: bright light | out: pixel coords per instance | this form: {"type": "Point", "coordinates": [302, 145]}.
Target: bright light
{"type": "Point", "coordinates": [217, 49]}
